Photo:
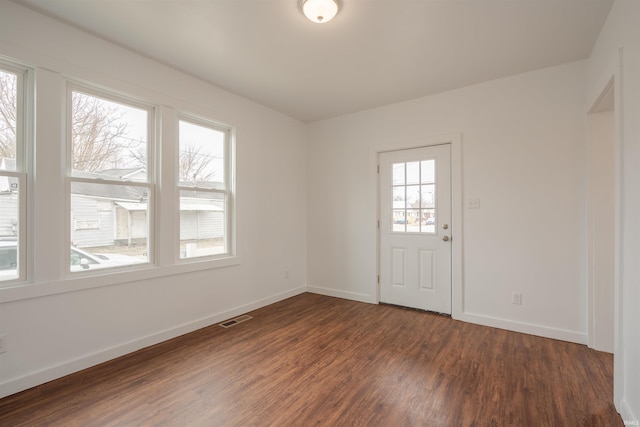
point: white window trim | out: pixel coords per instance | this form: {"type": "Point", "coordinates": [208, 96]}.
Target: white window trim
{"type": "Point", "coordinates": [109, 277]}
{"type": "Point", "coordinates": [24, 88]}
{"type": "Point", "coordinates": [150, 183]}
{"type": "Point", "coordinates": [229, 190]}
{"type": "Point", "coordinates": [40, 285]}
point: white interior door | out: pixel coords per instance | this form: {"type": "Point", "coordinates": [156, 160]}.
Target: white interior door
{"type": "Point", "coordinates": [415, 228]}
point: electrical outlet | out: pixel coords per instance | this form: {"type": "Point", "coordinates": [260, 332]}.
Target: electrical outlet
{"type": "Point", "coordinates": [3, 344]}
{"type": "Point", "coordinates": [516, 298]}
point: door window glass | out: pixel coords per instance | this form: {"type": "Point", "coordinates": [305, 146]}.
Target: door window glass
{"type": "Point", "coordinates": [414, 197]}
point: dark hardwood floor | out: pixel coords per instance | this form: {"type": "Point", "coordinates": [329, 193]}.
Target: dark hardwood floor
{"type": "Point", "coordinates": [315, 360]}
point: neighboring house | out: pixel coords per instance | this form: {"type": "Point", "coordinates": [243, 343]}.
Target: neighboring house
{"type": "Point", "coordinates": [104, 215]}
{"type": "Point", "coordinates": [201, 218]}
{"type": "Point", "coordinates": [416, 210]}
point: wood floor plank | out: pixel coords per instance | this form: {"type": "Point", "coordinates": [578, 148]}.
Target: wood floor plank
{"type": "Point", "coordinates": [313, 360]}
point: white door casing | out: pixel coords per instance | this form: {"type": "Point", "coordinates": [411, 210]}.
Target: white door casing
{"type": "Point", "coordinates": [416, 228]}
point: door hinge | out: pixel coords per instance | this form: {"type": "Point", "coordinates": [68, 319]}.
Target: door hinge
{"type": "Point", "coordinates": [378, 279]}
{"type": "Point", "coordinates": [378, 169]}
{"type": "Point", "coordinates": [378, 224]}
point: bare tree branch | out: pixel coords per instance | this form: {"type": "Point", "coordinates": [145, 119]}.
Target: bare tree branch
{"type": "Point", "coordinates": [194, 164]}
{"type": "Point", "coordinates": [8, 114]}
{"type": "Point", "coordinates": [97, 134]}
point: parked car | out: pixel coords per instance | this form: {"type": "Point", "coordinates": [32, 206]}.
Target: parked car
{"type": "Point", "coordinates": [400, 221]}
{"type": "Point", "coordinates": [80, 260]}
{"type": "Point", "coordinates": [430, 221]}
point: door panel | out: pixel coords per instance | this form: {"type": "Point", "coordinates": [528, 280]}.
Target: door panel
{"type": "Point", "coordinates": [415, 228]}
{"type": "Point", "coordinates": [427, 269]}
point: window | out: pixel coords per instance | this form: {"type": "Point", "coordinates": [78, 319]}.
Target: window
{"type": "Point", "coordinates": [414, 189]}
{"type": "Point", "coordinates": [204, 183]}
{"type": "Point", "coordinates": [12, 174]}
{"type": "Point", "coordinates": [110, 175]}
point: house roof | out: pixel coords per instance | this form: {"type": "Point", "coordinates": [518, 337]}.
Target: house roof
{"type": "Point", "coordinates": [107, 191]}
{"type": "Point", "coordinates": [185, 205]}
{"type": "Point", "coordinates": [133, 197]}
{"type": "Point", "coordinates": [126, 174]}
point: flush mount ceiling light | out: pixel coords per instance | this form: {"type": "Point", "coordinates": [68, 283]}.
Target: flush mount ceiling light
{"type": "Point", "coordinates": [320, 11]}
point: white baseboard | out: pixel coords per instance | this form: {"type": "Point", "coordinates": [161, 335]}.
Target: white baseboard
{"type": "Point", "coordinates": [525, 328]}
{"type": "Point", "coordinates": [510, 325]}
{"type": "Point", "coordinates": [354, 296]}
{"type": "Point", "coordinates": [24, 382]}
{"type": "Point", "coordinates": [628, 417]}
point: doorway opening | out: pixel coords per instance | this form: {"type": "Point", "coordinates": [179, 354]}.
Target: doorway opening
{"type": "Point", "coordinates": [601, 220]}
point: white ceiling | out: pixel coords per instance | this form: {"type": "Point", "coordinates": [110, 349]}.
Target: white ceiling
{"type": "Point", "coordinates": [373, 53]}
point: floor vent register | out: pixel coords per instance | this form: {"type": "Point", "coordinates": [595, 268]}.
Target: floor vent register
{"type": "Point", "coordinates": [232, 322]}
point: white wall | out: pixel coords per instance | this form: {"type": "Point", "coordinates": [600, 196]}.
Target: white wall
{"type": "Point", "coordinates": [522, 155]}
{"type": "Point", "coordinates": [56, 326]}
{"type": "Point", "coordinates": [617, 54]}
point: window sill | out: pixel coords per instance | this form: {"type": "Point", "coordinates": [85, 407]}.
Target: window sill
{"type": "Point", "coordinates": [86, 281]}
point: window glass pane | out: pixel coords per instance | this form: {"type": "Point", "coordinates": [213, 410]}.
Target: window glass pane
{"type": "Point", "coordinates": [109, 140]}
{"type": "Point", "coordinates": [399, 199]}
{"type": "Point", "coordinates": [413, 196]}
{"type": "Point", "coordinates": [8, 120]}
{"type": "Point", "coordinates": [109, 225]}
{"type": "Point", "coordinates": [413, 220]}
{"type": "Point", "coordinates": [9, 217]}
{"type": "Point", "coordinates": [201, 156]}
{"type": "Point", "coordinates": [413, 173]}
{"type": "Point", "coordinates": [428, 171]}
{"type": "Point", "coordinates": [427, 196]}
{"type": "Point", "coordinates": [399, 220]}
{"type": "Point", "coordinates": [428, 221]}
{"type": "Point", "coordinates": [202, 224]}
{"type": "Point", "coordinates": [398, 174]}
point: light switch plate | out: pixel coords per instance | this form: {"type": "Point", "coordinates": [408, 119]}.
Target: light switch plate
{"type": "Point", "coordinates": [473, 203]}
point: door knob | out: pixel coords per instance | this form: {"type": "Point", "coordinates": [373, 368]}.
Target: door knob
{"type": "Point", "coordinates": [445, 226]}
{"type": "Point", "coordinates": [446, 238]}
